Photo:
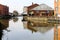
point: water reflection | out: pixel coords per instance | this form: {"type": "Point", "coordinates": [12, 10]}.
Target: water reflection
{"type": "Point", "coordinates": [1, 33]}
{"type": "Point", "coordinates": [15, 19]}
{"type": "Point", "coordinates": [25, 30]}
{"type": "Point", "coordinates": [43, 28]}
{"type": "Point", "coordinates": [38, 27]}
{"type": "Point", "coordinates": [4, 24]}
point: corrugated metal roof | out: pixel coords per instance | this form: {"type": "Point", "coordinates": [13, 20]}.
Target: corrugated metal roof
{"type": "Point", "coordinates": [43, 7]}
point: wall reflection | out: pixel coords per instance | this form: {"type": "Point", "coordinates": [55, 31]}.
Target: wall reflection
{"type": "Point", "coordinates": [15, 19]}
{"type": "Point", "coordinates": [38, 27]}
{"type": "Point", "coordinates": [4, 24]}
{"type": "Point", "coordinates": [1, 33]}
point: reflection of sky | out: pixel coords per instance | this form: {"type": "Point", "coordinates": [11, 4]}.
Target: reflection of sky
{"type": "Point", "coordinates": [18, 4]}
{"type": "Point", "coordinates": [19, 33]}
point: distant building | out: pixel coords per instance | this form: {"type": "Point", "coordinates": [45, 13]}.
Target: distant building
{"type": "Point", "coordinates": [4, 10]}
{"type": "Point", "coordinates": [42, 10]}
{"type": "Point", "coordinates": [26, 9]}
{"type": "Point", "coordinates": [39, 10]}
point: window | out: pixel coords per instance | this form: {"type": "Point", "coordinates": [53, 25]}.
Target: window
{"type": "Point", "coordinates": [56, 8]}
{"type": "Point", "coordinates": [47, 11]}
{"type": "Point", "coordinates": [56, 0]}
{"type": "Point", "coordinates": [37, 11]}
{"type": "Point", "coordinates": [0, 12]}
{"type": "Point", "coordinates": [53, 13]}
{"type": "Point", "coordinates": [31, 13]}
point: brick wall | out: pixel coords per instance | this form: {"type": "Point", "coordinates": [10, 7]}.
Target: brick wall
{"type": "Point", "coordinates": [4, 10]}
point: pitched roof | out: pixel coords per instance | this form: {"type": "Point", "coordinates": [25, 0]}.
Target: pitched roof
{"type": "Point", "coordinates": [42, 7]}
{"type": "Point", "coordinates": [32, 6]}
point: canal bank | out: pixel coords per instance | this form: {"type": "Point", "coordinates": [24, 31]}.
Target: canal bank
{"type": "Point", "coordinates": [39, 19]}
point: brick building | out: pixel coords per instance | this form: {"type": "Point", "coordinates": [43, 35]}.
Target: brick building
{"type": "Point", "coordinates": [4, 10]}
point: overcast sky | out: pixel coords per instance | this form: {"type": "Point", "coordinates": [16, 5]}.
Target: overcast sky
{"type": "Point", "coordinates": [19, 4]}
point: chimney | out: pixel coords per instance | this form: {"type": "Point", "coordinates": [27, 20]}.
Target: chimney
{"type": "Point", "coordinates": [32, 3]}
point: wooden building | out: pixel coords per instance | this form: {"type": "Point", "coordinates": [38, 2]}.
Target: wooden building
{"type": "Point", "coordinates": [41, 10]}
{"type": "Point", "coordinates": [26, 9]}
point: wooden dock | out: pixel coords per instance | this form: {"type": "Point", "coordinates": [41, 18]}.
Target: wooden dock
{"type": "Point", "coordinates": [43, 19]}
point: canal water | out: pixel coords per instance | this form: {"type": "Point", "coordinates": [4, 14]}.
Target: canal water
{"type": "Point", "coordinates": [15, 29]}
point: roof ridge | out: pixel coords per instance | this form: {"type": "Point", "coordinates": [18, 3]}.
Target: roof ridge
{"type": "Point", "coordinates": [46, 5]}
{"type": "Point", "coordinates": [42, 7]}
{"type": "Point", "coordinates": [33, 5]}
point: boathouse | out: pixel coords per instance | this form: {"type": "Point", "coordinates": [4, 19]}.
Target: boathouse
{"type": "Point", "coordinates": [41, 10]}
{"type": "Point", "coordinates": [38, 10]}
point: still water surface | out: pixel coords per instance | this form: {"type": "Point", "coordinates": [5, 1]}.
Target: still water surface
{"type": "Point", "coordinates": [15, 29]}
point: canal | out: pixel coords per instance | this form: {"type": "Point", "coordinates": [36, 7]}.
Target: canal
{"type": "Point", "coordinates": [15, 29]}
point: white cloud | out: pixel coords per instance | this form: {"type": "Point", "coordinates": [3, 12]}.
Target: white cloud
{"type": "Point", "coordinates": [19, 4]}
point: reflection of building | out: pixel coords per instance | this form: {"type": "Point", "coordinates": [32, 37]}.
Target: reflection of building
{"type": "Point", "coordinates": [1, 34]}
{"type": "Point", "coordinates": [41, 28]}
{"type": "Point", "coordinates": [4, 23]}
{"type": "Point", "coordinates": [25, 24]}
{"type": "Point", "coordinates": [4, 10]}
{"type": "Point", "coordinates": [57, 33]}
{"type": "Point", "coordinates": [15, 19]}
